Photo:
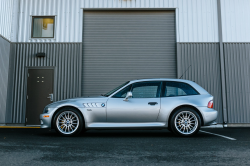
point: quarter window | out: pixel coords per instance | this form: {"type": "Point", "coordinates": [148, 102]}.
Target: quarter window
{"type": "Point", "coordinates": [43, 27]}
{"type": "Point", "coordinates": [146, 90]}
{"type": "Point", "coordinates": [172, 89]}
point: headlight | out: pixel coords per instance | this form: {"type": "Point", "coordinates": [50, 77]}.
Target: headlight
{"type": "Point", "coordinates": [46, 110]}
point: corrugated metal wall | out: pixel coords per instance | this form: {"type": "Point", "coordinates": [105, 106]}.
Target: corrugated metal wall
{"type": "Point", "coordinates": [4, 71]}
{"type": "Point", "coordinates": [6, 14]}
{"type": "Point", "coordinates": [196, 19]}
{"type": "Point", "coordinates": [205, 68]}
{"type": "Point", "coordinates": [235, 23]}
{"type": "Point", "coordinates": [67, 59]}
{"type": "Point", "coordinates": [237, 61]}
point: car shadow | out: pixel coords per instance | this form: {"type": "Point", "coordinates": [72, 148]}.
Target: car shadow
{"type": "Point", "coordinates": [122, 134]}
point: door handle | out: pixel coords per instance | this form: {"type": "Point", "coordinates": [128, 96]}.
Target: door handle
{"type": "Point", "coordinates": [152, 103]}
{"type": "Point", "coordinates": [50, 97]}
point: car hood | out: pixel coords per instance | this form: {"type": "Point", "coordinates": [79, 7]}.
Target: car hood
{"type": "Point", "coordinates": [78, 102]}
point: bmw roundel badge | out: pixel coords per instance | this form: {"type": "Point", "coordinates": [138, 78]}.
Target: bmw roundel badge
{"type": "Point", "coordinates": [103, 105]}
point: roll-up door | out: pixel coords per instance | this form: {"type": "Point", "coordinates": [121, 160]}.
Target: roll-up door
{"type": "Point", "coordinates": [119, 46]}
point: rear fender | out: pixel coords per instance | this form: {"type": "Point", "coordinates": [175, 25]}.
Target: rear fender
{"type": "Point", "coordinates": [170, 104]}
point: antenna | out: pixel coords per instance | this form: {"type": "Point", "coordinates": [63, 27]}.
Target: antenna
{"type": "Point", "coordinates": [185, 71]}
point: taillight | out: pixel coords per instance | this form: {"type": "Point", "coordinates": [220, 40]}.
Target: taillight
{"type": "Point", "coordinates": [210, 104]}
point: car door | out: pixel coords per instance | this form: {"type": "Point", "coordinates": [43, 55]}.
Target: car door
{"type": "Point", "coordinates": [144, 106]}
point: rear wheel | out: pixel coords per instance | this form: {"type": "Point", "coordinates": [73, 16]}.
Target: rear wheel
{"type": "Point", "coordinates": [169, 128]}
{"type": "Point", "coordinates": [185, 122]}
{"type": "Point", "coordinates": [68, 122]}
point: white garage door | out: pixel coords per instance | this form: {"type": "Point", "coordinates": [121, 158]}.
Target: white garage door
{"type": "Point", "coordinates": [119, 46]}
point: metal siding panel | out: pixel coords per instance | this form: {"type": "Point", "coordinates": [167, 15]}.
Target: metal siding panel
{"type": "Point", "coordinates": [4, 73]}
{"type": "Point", "coordinates": [6, 14]}
{"type": "Point", "coordinates": [58, 55]}
{"type": "Point", "coordinates": [234, 23]}
{"type": "Point", "coordinates": [197, 20]}
{"type": "Point", "coordinates": [121, 46]}
{"type": "Point", "coordinates": [237, 78]}
{"type": "Point", "coordinates": [204, 70]}
{"type": "Point", "coordinates": [10, 83]}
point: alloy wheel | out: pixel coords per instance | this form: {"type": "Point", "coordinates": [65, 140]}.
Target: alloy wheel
{"type": "Point", "coordinates": [67, 122]}
{"type": "Point", "coordinates": [186, 122]}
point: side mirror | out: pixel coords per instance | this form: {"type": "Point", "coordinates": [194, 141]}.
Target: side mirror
{"type": "Point", "coordinates": [129, 95]}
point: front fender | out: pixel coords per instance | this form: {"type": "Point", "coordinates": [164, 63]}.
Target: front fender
{"type": "Point", "coordinates": [96, 113]}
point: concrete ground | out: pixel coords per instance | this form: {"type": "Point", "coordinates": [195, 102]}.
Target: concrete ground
{"type": "Point", "coordinates": [124, 147]}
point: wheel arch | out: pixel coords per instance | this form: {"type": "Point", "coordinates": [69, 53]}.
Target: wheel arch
{"type": "Point", "coordinates": [68, 106]}
{"type": "Point", "coordinates": [186, 105]}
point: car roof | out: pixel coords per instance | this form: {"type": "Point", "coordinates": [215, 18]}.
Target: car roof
{"type": "Point", "coordinates": [159, 79]}
{"type": "Point", "coordinates": [193, 84]}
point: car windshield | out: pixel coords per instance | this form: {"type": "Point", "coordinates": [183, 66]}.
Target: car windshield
{"type": "Point", "coordinates": [111, 92]}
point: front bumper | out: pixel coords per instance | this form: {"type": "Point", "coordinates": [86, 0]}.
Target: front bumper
{"type": "Point", "coordinates": [209, 115]}
{"type": "Point", "coordinates": [45, 121]}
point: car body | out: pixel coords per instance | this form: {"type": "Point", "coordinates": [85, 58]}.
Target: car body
{"type": "Point", "coordinates": [143, 104]}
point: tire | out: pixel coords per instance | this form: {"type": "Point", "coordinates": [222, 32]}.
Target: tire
{"type": "Point", "coordinates": [169, 129]}
{"type": "Point", "coordinates": [68, 122]}
{"type": "Point", "coordinates": [185, 122]}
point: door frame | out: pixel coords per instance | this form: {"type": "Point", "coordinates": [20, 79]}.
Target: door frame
{"type": "Point", "coordinates": [26, 85]}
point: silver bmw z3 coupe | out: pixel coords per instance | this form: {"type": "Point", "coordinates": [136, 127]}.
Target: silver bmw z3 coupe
{"type": "Point", "coordinates": [179, 105]}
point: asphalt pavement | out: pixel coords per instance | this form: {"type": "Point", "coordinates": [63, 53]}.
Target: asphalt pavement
{"type": "Point", "coordinates": [124, 147]}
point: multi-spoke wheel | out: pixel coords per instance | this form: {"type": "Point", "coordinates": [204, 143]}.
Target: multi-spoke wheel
{"type": "Point", "coordinates": [68, 122]}
{"type": "Point", "coordinates": [185, 122]}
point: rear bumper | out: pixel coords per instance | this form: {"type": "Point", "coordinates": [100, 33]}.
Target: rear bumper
{"type": "Point", "coordinates": [209, 115]}
{"type": "Point", "coordinates": [45, 121]}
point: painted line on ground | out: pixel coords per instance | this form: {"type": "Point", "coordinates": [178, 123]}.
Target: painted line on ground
{"type": "Point", "coordinates": [233, 139]}
{"type": "Point", "coordinates": [18, 127]}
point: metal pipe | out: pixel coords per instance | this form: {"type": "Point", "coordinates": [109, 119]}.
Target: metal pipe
{"type": "Point", "coordinates": [222, 65]}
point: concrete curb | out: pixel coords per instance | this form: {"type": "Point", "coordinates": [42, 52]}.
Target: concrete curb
{"type": "Point", "coordinates": [35, 127]}
{"type": "Point", "coordinates": [203, 127]}
{"type": "Point", "coordinates": [212, 126]}
{"type": "Point", "coordinates": [231, 125]}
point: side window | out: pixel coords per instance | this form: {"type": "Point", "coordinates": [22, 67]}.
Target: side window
{"type": "Point", "coordinates": [122, 93]}
{"type": "Point", "coordinates": [178, 89]}
{"type": "Point", "coordinates": [43, 27]}
{"type": "Point", "coordinates": [146, 89]}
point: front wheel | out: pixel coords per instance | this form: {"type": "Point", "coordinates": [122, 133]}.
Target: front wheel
{"type": "Point", "coordinates": [68, 122]}
{"type": "Point", "coordinates": [185, 122]}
